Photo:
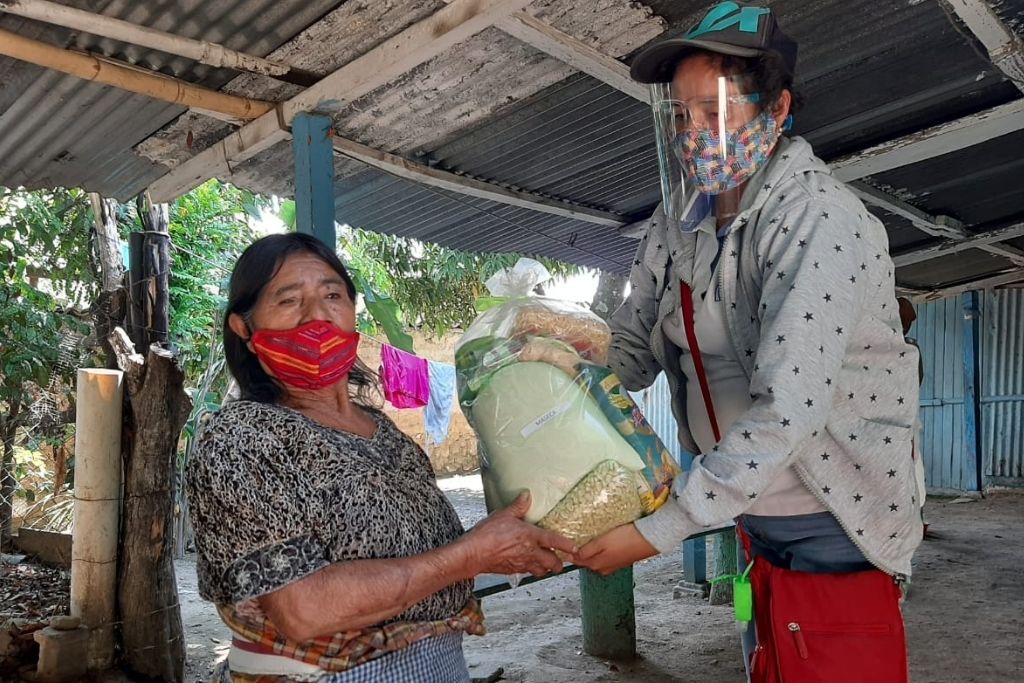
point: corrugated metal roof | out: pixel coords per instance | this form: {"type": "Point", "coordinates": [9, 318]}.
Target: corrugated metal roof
{"type": "Point", "coordinates": [403, 208]}
{"type": "Point", "coordinates": [58, 130]}
{"type": "Point", "coordinates": [495, 109]}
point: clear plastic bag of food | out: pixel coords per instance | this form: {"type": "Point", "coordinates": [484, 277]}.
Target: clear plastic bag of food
{"type": "Point", "coordinates": [554, 421]}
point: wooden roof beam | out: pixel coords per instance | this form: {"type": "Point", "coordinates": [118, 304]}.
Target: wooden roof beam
{"type": "Point", "coordinates": [204, 52]}
{"type": "Point", "coordinates": [987, 282]}
{"type": "Point", "coordinates": [577, 54]}
{"type": "Point", "coordinates": [937, 226]}
{"type": "Point", "coordinates": [1005, 48]}
{"type": "Point", "coordinates": [955, 246]}
{"type": "Point", "coordinates": [416, 45]}
{"type": "Point", "coordinates": [133, 79]}
{"type": "Point", "coordinates": [932, 142]}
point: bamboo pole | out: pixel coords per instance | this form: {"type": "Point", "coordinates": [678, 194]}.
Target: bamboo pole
{"type": "Point", "coordinates": [211, 54]}
{"type": "Point", "coordinates": [97, 509]}
{"type": "Point", "coordinates": [127, 77]}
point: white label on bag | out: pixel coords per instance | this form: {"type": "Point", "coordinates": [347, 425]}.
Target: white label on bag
{"type": "Point", "coordinates": [531, 427]}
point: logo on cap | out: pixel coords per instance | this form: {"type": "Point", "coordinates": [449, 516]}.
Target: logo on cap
{"type": "Point", "coordinates": [727, 14]}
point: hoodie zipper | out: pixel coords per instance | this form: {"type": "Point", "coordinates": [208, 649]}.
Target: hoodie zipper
{"type": "Point", "coordinates": [720, 283]}
{"type": "Point", "coordinates": [853, 538]}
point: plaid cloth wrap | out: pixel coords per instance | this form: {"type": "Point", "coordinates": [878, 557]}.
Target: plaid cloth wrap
{"type": "Point", "coordinates": [347, 649]}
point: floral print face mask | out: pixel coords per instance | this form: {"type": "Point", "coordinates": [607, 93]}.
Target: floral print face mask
{"type": "Point", "coordinates": [745, 151]}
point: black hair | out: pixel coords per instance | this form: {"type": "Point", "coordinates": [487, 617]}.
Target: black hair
{"type": "Point", "coordinates": [768, 75]}
{"type": "Point", "coordinates": [255, 268]}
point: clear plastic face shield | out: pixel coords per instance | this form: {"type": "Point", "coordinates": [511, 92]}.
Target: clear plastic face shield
{"type": "Point", "coordinates": [711, 136]}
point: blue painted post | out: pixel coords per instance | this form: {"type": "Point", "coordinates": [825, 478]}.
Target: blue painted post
{"type": "Point", "coordinates": [973, 477]}
{"type": "Point", "coordinates": [694, 550]}
{"type": "Point", "coordinates": [695, 561]}
{"type": "Point", "coordinates": [314, 177]}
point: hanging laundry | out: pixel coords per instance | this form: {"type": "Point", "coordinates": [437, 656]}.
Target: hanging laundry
{"type": "Point", "coordinates": [405, 378]}
{"type": "Point", "coordinates": [438, 414]}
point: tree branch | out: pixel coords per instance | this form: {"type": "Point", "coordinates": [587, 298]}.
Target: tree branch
{"type": "Point", "coordinates": [133, 364]}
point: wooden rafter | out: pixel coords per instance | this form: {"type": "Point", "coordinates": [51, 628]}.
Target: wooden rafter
{"type": "Point", "coordinates": [987, 282]}
{"type": "Point", "coordinates": [932, 142]}
{"type": "Point", "coordinates": [415, 45]}
{"type": "Point", "coordinates": [937, 226]}
{"type": "Point", "coordinates": [205, 52]}
{"type": "Point", "coordinates": [1005, 48]}
{"type": "Point", "coordinates": [955, 246]}
{"type": "Point", "coordinates": [577, 54]}
{"type": "Point", "coordinates": [134, 79]}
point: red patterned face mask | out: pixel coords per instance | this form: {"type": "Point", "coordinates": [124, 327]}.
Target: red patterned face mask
{"type": "Point", "coordinates": [310, 356]}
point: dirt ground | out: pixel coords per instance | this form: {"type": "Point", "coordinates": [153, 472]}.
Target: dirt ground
{"type": "Point", "coordinates": [965, 614]}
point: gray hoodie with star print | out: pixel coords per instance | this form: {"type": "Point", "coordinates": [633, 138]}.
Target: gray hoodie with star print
{"type": "Point", "coordinates": [808, 290]}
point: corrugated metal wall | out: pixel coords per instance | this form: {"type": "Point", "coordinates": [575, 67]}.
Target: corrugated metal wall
{"type": "Point", "coordinates": [1002, 389]}
{"type": "Point", "coordinates": [939, 331]}
{"type": "Point", "coordinates": [656, 404]}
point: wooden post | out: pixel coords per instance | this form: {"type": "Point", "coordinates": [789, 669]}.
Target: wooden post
{"type": "Point", "coordinates": [314, 177]}
{"type": "Point", "coordinates": [156, 264]}
{"type": "Point", "coordinates": [609, 623]}
{"type": "Point", "coordinates": [151, 633]}
{"type": "Point", "coordinates": [725, 564]}
{"type": "Point", "coordinates": [137, 292]}
{"type": "Point", "coordinates": [110, 308]}
{"type": "Point", "coordinates": [973, 478]}
{"type": "Point", "coordinates": [149, 275]}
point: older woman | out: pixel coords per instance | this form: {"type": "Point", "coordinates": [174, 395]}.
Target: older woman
{"type": "Point", "coordinates": [764, 289]}
{"type": "Point", "coordinates": [323, 539]}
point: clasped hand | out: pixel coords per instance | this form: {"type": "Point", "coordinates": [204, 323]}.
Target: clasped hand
{"type": "Point", "coordinates": [504, 544]}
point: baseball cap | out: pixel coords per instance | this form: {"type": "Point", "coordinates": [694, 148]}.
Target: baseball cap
{"type": "Point", "coordinates": [731, 28]}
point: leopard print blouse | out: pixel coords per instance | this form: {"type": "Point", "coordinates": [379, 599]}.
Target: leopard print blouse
{"type": "Point", "coordinates": [275, 496]}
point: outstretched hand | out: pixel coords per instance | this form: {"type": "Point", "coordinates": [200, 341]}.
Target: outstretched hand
{"type": "Point", "coordinates": [504, 544]}
{"type": "Point", "coordinates": [613, 550]}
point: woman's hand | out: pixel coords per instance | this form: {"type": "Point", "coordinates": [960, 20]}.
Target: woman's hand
{"type": "Point", "coordinates": [613, 550]}
{"type": "Point", "coordinates": [504, 544]}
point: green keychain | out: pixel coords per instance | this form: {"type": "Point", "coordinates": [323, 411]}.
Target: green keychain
{"type": "Point", "coordinates": [743, 596]}
{"type": "Point", "coordinates": [742, 593]}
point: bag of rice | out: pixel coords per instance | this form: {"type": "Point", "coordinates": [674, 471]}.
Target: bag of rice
{"type": "Point", "coordinates": [553, 420]}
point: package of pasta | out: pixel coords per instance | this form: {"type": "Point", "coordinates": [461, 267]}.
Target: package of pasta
{"type": "Point", "coordinates": [552, 420]}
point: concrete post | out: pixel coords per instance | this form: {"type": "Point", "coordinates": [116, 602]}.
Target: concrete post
{"type": "Point", "coordinates": [97, 509]}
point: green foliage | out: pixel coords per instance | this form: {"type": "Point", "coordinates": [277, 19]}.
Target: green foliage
{"type": "Point", "coordinates": [209, 231]}
{"type": "Point", "coordinates": [405, 282]}
{"type": "Point", "coordinates": [434, 286]}
{"type": "Point", "coordinates": [47, 279]}
{"type": "Point", "coordinates": [44, 254]}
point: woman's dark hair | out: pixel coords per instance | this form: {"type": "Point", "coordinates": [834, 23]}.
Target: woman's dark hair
{"type": "Point", "coordinates": [255, 268]}
{"type": "Point", "coordinates": [768, 76]}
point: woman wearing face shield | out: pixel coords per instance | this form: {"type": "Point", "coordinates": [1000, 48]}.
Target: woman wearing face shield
{"type": "Point", "coordinates": [764, 290]}
{"type": "Point", "coordinates": [322, 536]}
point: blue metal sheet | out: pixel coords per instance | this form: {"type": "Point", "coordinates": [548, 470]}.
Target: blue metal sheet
{"type": "Point", "coordinates": [1002, 399]}
{"type": "Point", "coordinates": [946, 432]}
{"type": "Point", "coordinates": [655, 403]}
{"type": "Point", "coordinates": [970, 469]}
{"type": "Point", "coordinates": [939, 332]}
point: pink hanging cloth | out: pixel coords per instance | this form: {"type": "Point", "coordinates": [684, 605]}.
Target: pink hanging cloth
{"type": "Point", "coordinates": [405, 377]}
